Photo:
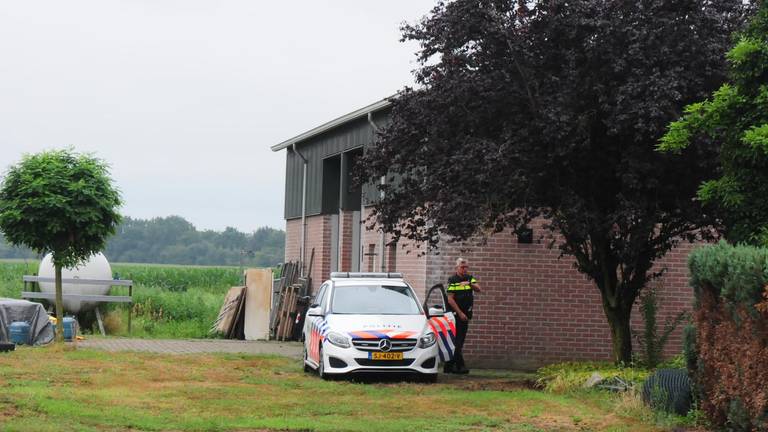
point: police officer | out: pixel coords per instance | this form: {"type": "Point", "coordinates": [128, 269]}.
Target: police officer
{"type": "Point", "coordinates": [460, 299]}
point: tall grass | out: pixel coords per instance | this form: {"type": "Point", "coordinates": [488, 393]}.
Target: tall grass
{"type": "Point", "coordinates": [169, 301]}
{"type": "Point", "coordinates": [11, 272]}
{"type": "Point", "coordinates": [179, 278]}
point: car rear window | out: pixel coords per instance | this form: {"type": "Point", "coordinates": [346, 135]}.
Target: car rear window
{"type": "Point", "coordinates": [374, 300]}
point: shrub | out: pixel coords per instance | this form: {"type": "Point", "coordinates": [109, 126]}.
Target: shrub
{"type": "Point", "coordinates": [652, 341]}
{"type": "Point", "coordinates": [113, 322]}
{"type": "Point", "coordinates": [676, 362]}
{"type": "Point", "coordinates": [570, 376]}
{"type": "Point", "coordinates": [729, 349]}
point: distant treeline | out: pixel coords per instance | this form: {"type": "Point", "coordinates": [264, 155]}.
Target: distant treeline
{"type": "Point", "coordinates": [174, 240]}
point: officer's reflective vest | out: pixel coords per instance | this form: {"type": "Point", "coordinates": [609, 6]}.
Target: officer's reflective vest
{"type": "Point", "coordinates": [459, 287]}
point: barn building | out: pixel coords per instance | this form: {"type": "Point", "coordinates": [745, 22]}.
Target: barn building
{"type": "Point", "coordinates": [536, 308]}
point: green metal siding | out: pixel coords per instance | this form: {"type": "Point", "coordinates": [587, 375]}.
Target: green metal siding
{"type": "Point", "coordinates": [370, 192]}
{"type": "Point", "coordinates": [354, 134]}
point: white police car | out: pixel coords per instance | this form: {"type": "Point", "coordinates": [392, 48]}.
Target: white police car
{"type": "Point", "coordinates": [369, 322]}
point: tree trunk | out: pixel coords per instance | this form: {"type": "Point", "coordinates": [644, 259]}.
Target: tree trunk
{"type": "Point", "coordinates": [59, 306]}
{"type": "Point", "coordinates": [621, 334]}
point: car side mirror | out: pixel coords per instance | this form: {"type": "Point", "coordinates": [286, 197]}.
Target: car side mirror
{"type": "Point", "coordinates": [436, 310]}
{"type": "Point", "coordinates": [315, 310]}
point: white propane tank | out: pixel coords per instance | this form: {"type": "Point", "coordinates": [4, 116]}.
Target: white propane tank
{"type": "Point", "coordinates": [96, 267]}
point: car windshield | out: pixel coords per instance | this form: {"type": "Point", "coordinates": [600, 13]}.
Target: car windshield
{"type": "Point", "coordinates": [374, 300]}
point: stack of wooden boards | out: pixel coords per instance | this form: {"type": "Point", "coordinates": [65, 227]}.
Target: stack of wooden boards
{"type": "Point", "coordinates": [289, 302]}
{"type": "Point", "coordinates": [246, 309]}
{"type": "Point", "coordinates": [266, 307]}
{"type": "Point", "coordinates": [231, 317]}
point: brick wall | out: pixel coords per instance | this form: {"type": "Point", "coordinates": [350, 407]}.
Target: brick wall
{"type": "Point", "coordinates": [537, 309]}
{"type": "Point", "coordinates": [345, 243]}
{"type": "Point", "coordinates": [674, 295]}
{"type": "Point", "coordinates": [318, 237]}
{"type": "Point", "coordinates": [409, 260]}
{"type": "Point", "coordinates": [292, 239]}
{"type": "Point", "coordinates": [412, 262]}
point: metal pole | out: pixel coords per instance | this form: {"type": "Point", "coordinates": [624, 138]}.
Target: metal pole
{"type": "Point", "coordinates": [303, 246]}
{"type": "Point", "coordinates": [382, 264]}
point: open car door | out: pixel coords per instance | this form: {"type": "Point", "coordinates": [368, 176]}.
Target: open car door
{"type": "Point", "coordinates": [441, 321]}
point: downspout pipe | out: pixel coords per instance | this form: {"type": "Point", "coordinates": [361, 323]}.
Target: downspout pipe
{"type": "Point", "coordinates": [303, 246]}
{"type": "Point", "coordinates": [382, 266]}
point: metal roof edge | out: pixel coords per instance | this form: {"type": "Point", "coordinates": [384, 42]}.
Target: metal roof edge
{"type": "Point", "coordinates": [376, 106]}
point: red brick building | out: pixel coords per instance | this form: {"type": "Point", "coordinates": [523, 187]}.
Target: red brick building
{"type": "Point", "coordinates": [535, 308]}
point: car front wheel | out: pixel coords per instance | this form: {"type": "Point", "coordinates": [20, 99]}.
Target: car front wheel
{"type": "Point", "coordinates": [321, 365]}
{"type": "Point", "coordinates": [306, 366]}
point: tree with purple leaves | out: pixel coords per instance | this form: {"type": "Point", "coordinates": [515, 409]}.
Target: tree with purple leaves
{"type": "Point", "coordinates": [553, 109]}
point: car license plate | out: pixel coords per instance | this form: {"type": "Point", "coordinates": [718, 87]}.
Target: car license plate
{"type": "Point", "coordinates": [386, 356]}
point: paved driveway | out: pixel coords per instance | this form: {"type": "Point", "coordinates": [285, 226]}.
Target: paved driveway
{"type": "Point", "coordinates": [192, 346]}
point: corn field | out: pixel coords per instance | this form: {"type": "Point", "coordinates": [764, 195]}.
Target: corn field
{"type": "Point", "coordinates": [170, 301]}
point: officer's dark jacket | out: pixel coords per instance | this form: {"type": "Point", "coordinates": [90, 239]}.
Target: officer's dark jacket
{"type": "Point", "coordinates": [462, 294]}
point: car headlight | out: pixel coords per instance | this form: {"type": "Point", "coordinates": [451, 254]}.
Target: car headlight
{"type": "Point", "coordinates": [427, 340]}
{"type": "Point", "coordinates": [338, 339]}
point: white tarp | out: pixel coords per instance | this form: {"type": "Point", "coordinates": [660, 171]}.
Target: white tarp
{"type": "Point", "coordinates": [40, 327]}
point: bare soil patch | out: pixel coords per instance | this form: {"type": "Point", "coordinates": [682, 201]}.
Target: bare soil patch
{"type": "Point", "coordinates": [7, 410]}
{"type": "Point", "coordinates": [482, 381]}
{"type": "Point", "coordinates": [496, 385]}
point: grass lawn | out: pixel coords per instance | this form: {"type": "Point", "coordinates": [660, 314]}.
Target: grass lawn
{"type": "Point", "coordinates": [62, 389]}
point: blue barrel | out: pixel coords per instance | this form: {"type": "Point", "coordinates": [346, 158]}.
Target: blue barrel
{"type": "Point", "coordinates": [19, 332]}
{"type": "Point", "coordinates": [69, 328]}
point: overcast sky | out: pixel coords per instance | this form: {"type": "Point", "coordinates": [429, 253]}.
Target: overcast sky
{"type": "Point", "coordinates": [184, 98]}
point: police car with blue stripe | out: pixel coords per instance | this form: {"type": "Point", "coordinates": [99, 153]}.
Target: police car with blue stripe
{"type": "Point", "coordinates": [373, 322]}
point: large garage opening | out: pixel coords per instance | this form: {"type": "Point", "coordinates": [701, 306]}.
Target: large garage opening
{"type": "Point", "coordinates": [342, 200]}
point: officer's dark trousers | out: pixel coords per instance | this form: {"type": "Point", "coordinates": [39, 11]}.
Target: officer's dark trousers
{"type": "Point", "coordinates": [461, 334]}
